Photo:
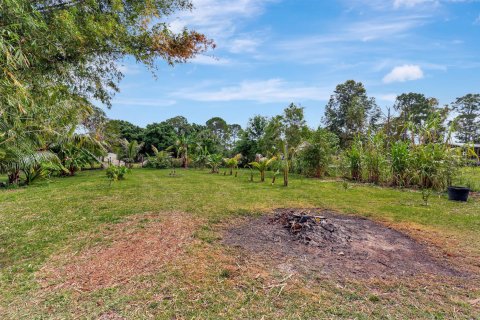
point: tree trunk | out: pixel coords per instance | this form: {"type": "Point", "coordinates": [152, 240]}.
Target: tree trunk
{"type": "Point", "coordinates": [14, 177]}
{"type": "Point", "coordinates": [186, 160]}
{"type": "Point", "coordinates": [262, 176]}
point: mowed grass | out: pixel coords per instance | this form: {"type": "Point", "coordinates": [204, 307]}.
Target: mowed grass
{"type": "Point", "coordinates": [470, 176]}
{"type": "Point", "coordinates": [50, 217]}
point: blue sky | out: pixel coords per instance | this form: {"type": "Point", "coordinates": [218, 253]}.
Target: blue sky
{"type": "Point", "coordinates": [273, 52]}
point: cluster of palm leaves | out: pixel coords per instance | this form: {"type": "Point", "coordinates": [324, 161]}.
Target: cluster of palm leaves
{"type": "Point", "coordinates": [426, 160]}
{"type": "Point", "coordinates": [214, 161]}
{"type": "Point", "coordinates": [232, 163]}
{"type": "Point", "coordinates": [130, 151]}
{"type": "Point", "coordinates": [45, 141]}
{"type": "Point", "coordinates": [262, 165]}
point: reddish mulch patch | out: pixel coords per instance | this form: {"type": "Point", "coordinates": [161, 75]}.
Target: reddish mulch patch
{"type": "Point", "coordinates": [326, 242]}
{"type": "Point", "coordinates": [141, 245]}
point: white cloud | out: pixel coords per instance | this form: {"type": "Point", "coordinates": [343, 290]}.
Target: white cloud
{"type": "Point", "coordinates": [217, 18]}
{"type": "Point", "coordinates": [341, 44]}
{"type": "Point", "coordinates": [386, 5]}
{"type": "Point", "coordinates": [369, 29]}
{"type": "Point", "coordinates": [412, 3]}
{"type": "Point", "coordinates": [272, 90]}
{"type": "Point", "coordinates": [144, 102]}
{"type": "Point", "coordinates": [404, 73]}
{"type": "Point", "coordinates": [388, 97]}
{"type": "Point", "coordinates": [247, 45]}
{"type": "Point", "coordinates": [385, 27]}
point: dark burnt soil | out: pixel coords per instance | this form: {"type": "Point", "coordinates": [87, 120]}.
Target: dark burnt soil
{"type": "Point", "coordinates": [297, 240]}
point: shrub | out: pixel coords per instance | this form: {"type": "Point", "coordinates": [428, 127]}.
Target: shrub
{"type": "Point", "coordinates": [115, 173]}
{"type": "Point", "coordinates": [316, 154]}
{"type": "Point", "coordinates": [354, 157]}
{"type": "Point", "coordinates": [400, 161]}
{"type": "Point", "coordinates": [214, 161]}
{"type": "Point", "coordinates": [161, 160]}
{"type": "Point", "coordinates": [374, 157]}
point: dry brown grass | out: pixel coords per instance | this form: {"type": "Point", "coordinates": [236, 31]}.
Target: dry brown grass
{"type": "Point", "coordinates": [141, 245]}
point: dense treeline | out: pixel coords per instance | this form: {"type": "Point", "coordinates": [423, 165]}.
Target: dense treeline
{"type": "Point", "coordinates": [409, 146]}
{"type": "Point", "coordinates": [412, 147]}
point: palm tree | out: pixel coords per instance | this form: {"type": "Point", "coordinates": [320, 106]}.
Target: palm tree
{"type": "Point", "coordinates": [232, 163]}
{"type": "Point", "coordinates": [214, 161]}
{"type": "Point", "coordinates": [130, 151]}
{"type": "Point", "coordinates": [201, 157]}
{"type": "Point", "coordinates": [28, 161]}
{"type": "Point", "coordinates": [35, 138]}
{"type": "Point", "coordinates": [285, 165]}
{"type": "Point", "coordinates": [262, 165]}
{"type": "Point", "coordinates": [182, 144]}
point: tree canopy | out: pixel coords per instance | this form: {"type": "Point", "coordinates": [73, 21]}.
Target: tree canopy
{"type": "Point", "coordinates": [350, 111]}
{"type": "Point", "coordinates": [71, 48]}
{"type": "Point", "coordinates": [468, 119]}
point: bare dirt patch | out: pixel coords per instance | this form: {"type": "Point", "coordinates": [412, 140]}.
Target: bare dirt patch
{"type": "Point", "coordinates": [141, 245]}
{"type": "Point", "coordinates": [298, 240]}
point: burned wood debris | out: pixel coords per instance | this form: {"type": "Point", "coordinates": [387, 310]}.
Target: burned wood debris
{"type": "Point", "coordinates": [313, 229]}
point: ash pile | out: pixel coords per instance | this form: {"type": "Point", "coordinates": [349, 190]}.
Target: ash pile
{"type": "Point", "coordinates": [314, 229]}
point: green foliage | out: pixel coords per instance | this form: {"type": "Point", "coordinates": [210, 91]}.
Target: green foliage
{"type": "Point", "coordinates": [232, 163]}
{"type": "Point", "coordinates": [183, 144]}
{"type": "Point", "coordinates": [374, 156]}
{"type": "Point", "coordinates": [214, 161]}
{"type": "Point", "coordinates": [115, 173]}
{"type": "Point", "coordinates": [414, 107]}
{"type": "Point", "coordinates": [129, 152]}
{"type": "Point", "coordinates": [400, 159]}
{"type": "Point", "coordinates": [426, 193]}
{"type": "Point", "coordinates": [431, 165]}
{"type": "Point", "coordinates": [53, 45]}
{"type": "Point", "coordinates": [160, 135]}
{"type": "Point", "coordinates": [468, 119]}
{"type": "Point", "coordinates": [44, 169]}
{"type": "Point", "coordinates": [116, 131]}
{"type": "Point", "coordinates": [354, 155]}
{"type": "Point", "coordinates": [200, 159]}
{"type": "Point", "coordinates": [220, 133]}
{"type": "Point", "coordinates": [57, 55]}
{"type": "Point", "coordinates": [294, 125]}
{"type": "Point", "coordinates": [350, 111]}
{"type": "Point", "coordinates": [161, 159]}
{"type": "Point", "coordinates": [250, 143]}
{"type": "Point", "coordinates": [78, 151]}
{"type": "Point", "coordinates": [262, 165]}
{"type": "Point", "coordinates": [316, 153]}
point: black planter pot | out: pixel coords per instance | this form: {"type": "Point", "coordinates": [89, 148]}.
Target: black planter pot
{"type": "Point", "coordinates": [458, 193]}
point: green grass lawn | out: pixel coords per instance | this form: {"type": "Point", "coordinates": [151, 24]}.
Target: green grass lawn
{"type": "Point", "coordinates": [68, 214]}
{"type": "Point", "coordinates": [470, 177]}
